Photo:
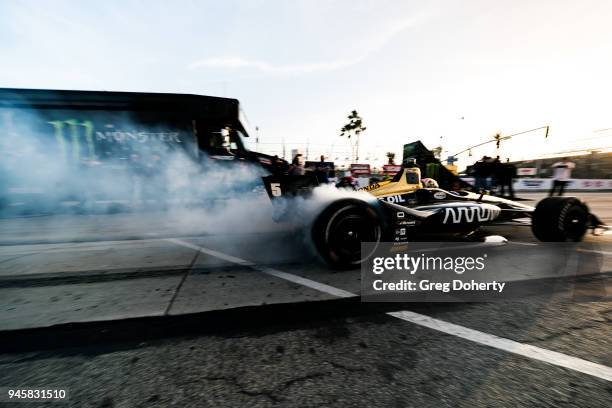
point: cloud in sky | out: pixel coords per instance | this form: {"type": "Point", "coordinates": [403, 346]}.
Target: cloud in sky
{"type": "Point", "coordinates": [370, 44]}
{"type": "Point", "coordinates": [266, 67]}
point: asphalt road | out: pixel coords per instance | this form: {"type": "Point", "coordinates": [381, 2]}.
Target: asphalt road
{"type": "Point", "coordinates": [279, 335]}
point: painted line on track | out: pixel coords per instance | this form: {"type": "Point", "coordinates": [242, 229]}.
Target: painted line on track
{"type": "Point", "coordinates": [523, 243]}
{"type": "Point", "coordinates": [511, 346]}
{"type": "Point", "coordinates": [321, 287]}
{"type": "Point", "coordinates": [500, 343]}
{"type": "Point", "coordinates": [607, 253]}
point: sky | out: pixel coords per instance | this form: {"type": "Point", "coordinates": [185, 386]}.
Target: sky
{"type": "Point", "coordinates": [449, 73]}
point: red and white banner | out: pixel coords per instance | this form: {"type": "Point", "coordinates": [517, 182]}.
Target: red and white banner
{"type": "Point", "coordinates": [574, 184]}
{"type": "Point", "coordinates": [391, 169]}
{"type": "Point", "coordinates": [526, 171]}
{"type": "Point", "coordinates": [360, 169]}
{"type": "Point", "coordinates": [544, 184]}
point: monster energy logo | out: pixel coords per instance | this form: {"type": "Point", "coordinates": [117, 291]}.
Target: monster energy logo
{"type": "Point", "coordinates": [139, 137]}
{"type": "Point", "coordinates": [73, 127]}
{"type": "Point", "coordinates": [69, 141]}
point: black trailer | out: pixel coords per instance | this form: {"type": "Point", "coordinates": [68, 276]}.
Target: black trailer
{"type": "Point", "coordinates": [92, 133]}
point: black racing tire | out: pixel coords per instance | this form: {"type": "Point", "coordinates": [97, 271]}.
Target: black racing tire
{"type": "Point", "coordinates": [560, 219]}
{"type": "Point", "coordinates": [341, 228]}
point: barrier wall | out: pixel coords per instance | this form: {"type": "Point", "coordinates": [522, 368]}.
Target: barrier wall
{"type": "Point", "coordinates": [544, 184]}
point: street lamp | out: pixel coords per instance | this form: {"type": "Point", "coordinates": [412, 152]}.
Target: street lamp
{"type": "Point", "coordinates": [497, 139]}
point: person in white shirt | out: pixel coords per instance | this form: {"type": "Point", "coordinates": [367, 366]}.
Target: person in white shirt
{"type": "Point", "coordinates": [562, 172]}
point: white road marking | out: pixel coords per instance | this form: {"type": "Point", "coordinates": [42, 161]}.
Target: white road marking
{"type": "Point", "coordinates": [577, 250]}
{"type": "Point", "coordinates": [211, 252]}
{"type": "Point", "coordinates": [321, 287]}
{"type": "Point", "coordinates": [511, 346]}
{"type": "Point", "coordinates": [500, 343]}
{"type": "Point", "coordinates": [594, 251]}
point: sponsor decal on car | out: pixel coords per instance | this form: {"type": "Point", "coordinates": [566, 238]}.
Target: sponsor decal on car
{"type": "Point", "coordinates": [394, 199]}
{"type": "Point", "coordinates": [460, 215]}
{"type": "Point", "coordinates": [370, 187]}
{"type": "Point", "coordinates": [439, 195]}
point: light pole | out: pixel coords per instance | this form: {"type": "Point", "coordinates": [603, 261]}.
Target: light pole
{"type": "Point", "coordinates": [497, 139]}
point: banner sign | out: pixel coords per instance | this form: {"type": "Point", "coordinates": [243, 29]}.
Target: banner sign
{"type": "Point", "coordinates": [391, 169]}
{"type": "Point", "coordinates": [526, 171]}
{"type": "Point", "coordinates": [544, 184]}
{"type": "Point", "coordinates": [360, 169]}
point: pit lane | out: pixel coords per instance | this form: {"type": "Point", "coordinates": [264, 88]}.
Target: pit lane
{"type": "Point", "coordinates": [46, 284]}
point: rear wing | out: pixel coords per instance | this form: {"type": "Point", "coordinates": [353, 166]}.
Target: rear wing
{"type": "Point", "coordinates": [289, 186]}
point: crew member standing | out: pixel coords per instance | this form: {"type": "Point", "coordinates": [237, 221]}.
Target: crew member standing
{"type": "Point", "coordinates": [278, 166]}
{"type": "Point", "coordinates": [562, 172]}
{"type": "Point", "coordinates": [507, 176]}
{"type": "Point", "coordinates": [297, 166]}
{"type": "Point", "coordinates": [321, 171]}
{"type": "Point", "coordinates": [497, 169]}
{"type": "Point", "coordinates": [482, 171]}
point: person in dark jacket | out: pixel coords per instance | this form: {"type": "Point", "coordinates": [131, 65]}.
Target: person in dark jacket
{"type": "Point", "coordinates": [507, 176]}
{"type": "Point", "coordinates": [482, 171]}
{"type": "Point", "coordinates": [297, 166]}
{"type": "Point", "coordinates": [496, 169]}
{"type": "Point", "coordinates": [321, 171]}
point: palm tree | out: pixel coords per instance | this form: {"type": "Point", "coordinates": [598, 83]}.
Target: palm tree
{"type": "Point", "coordinates": [391, 157]}
{"type": "Point", "coordinates": [353, 128]}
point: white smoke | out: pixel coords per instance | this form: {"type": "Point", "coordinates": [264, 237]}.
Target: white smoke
{"type": "Point", "coordinates": [45, 174]}
{"type": "Point", "coordinates": [151, 187]}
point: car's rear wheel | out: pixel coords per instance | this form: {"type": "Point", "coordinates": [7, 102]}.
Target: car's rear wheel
{"type": "Point", "coordinates": [559, 219]}
{"type": "Point", "coordinates": [341, 228]}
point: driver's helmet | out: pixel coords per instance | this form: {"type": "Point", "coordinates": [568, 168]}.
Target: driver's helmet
{"type": "Point", "coordinates": [429, 183]}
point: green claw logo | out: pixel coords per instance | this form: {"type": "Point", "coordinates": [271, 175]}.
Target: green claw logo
{"type": "Point", "coordinates": [74, 126]}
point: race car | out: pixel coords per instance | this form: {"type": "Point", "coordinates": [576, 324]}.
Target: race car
{"type": "Point", "coordinates": [408, 208]}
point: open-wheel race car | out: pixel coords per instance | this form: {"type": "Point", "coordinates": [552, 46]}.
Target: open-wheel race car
{"type": "Point", "coordinates": [404, 209]}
